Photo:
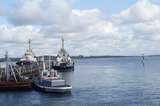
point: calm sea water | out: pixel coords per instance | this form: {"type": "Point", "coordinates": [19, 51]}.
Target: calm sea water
{"type": "Point", "coordinates": [100, 82]}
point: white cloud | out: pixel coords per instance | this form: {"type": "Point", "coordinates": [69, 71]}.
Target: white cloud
{"type": "Point", "coordinates": [89, 32]}
{"type": "Point", "coordinates": [39, 12]}
{"type": "Point", "coordinates": [141, 23]}
{"type": "Point", "coordinates": [142, 11]}
{"type": "Point", "coordinates": [14, 40]}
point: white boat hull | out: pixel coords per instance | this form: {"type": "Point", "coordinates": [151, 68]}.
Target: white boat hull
{"type": "Point", "coordinates": [55, 89]}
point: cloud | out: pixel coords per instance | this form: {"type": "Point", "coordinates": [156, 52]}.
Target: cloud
{"type": "Point", "coordinates": [142, 11]}
{"type": "Point", "coordinates": [132, 31]}
{"type": "Point", "coordinates": [141, 23]}
{"type": "Point", "coordinates": [14, 40]}
{"type": "Point", "coordinates": [39, 12]}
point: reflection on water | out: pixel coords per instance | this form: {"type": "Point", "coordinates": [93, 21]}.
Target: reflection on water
{"type": "Point", "coordinates": [100, 82]}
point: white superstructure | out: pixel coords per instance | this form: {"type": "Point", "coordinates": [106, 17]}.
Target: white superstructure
{"type": "Point", "coordinates": [29, 55]}
{"type": "Point", "coordinates": [63, 56]}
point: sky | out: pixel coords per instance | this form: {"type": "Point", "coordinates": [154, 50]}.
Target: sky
{"type": "Point", "coordinates": [89, 27]}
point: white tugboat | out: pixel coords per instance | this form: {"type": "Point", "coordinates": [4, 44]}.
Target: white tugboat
{"type": "Point", "coordinates": [63, 60]}
{"type": "Point", "coordinates": [49, 81]}
{"type": "Point", "coordinates": [28, 57]}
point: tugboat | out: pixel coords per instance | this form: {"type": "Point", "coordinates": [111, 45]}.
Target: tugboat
{"type": "Point", "coordinates": [63, 60]}
{"type": "Point", "coordinates": [11, 78]}
{"type": "Point", "coordinates": [28, 64]}
{"type": "Point", "coordinates": [29, 57]}
{"type": "Point", "coordinates": [49, 81]}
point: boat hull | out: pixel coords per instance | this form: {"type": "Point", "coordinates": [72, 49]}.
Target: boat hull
{"type": "Point", "coordinates": [12, 85]}
{"type": "Point", "coordinates": [21, 63]}
{"type": "Point", "coordinates": [55, 89]}
{"type": "Point", "coordinates": [63, 68]}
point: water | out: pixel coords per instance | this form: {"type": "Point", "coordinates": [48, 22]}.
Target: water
{"type": "Point", "coordinates": [100, 82]}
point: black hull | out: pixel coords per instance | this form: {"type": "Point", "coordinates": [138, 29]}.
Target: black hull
{"type": "Point", "coordinates": [64, 68]}
{"type": "Point", "coordinates": [21, 63]}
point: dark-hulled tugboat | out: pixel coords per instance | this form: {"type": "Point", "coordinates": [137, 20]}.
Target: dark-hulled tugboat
{"type": "Point", "coordinates": [49, 81]}
{"type": "Point", "coordinates": [11, 78]}
{"type": "Point", "coordinates": [29, 57]}
{"type": "Point", "coordinates": [63, 60]}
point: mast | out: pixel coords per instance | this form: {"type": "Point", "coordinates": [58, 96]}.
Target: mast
{"type": "Point", "coordinates": [62, 43]}
{"type": "Point", "coordinates": [44, 66]}
{"type": "Point", "coordinates": [7, 66]}
{"type": "Point", "coordinates": [49, 63]}
{"type": "Point", "coordinates": [142, 56]}
{"type": "Point", "coordinates": [142, 60]}
{"type": "Point", "coordinates": [29, 44]}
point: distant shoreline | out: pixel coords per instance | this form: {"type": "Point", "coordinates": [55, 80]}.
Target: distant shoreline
{"type": "Point", "coordinates": [112, 56]}
{"type": "Point", "coordinates": [83, 57]}
{"type": "Point", "coordinates": [77, 57]}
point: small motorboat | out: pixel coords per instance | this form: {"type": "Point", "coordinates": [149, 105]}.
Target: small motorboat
{"type": "Point", "coordinates": [53, 86]}
{"type": "Point", "coordinates": [50, 81]}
